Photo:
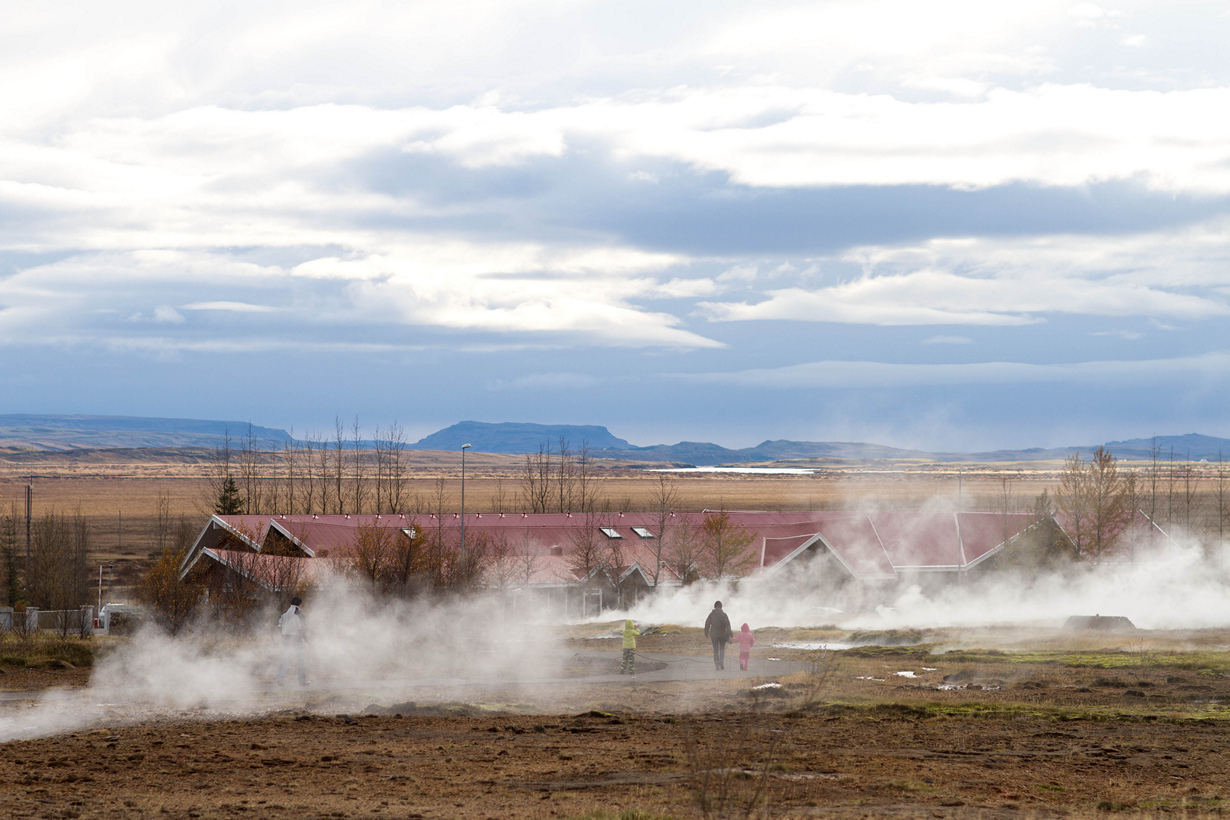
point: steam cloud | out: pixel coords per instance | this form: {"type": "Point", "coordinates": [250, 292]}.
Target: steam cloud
{"type": "Point", "coordinates": [1177, 586]}
{"type": "Point", "coordinates": [432, 651]}
{"type": "Point", "coordinates": [422, 650]}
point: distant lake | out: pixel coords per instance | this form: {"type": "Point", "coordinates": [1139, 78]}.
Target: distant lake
{"type": "Point", "coordinates": [748, 470]}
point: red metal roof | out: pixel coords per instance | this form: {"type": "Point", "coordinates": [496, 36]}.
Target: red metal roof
{"type": "Point", "coordinates": [869, 545]}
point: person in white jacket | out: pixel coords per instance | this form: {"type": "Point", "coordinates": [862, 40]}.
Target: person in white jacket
{"type": "Point", "coordinates": [294, 640]}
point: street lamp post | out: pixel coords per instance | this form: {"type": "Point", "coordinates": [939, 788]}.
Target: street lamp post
{"type": "Point", "coordinates": [464, 447]}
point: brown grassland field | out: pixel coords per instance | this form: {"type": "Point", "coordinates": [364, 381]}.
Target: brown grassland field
{"type": "Point", "coordinates": [118, 491]}
{"type": "Point", "coordinates": [1003, 722]}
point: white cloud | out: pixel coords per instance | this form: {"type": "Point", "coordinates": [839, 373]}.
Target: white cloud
{"type": "Point", "coordinates": [931, 297]}
{"type": "Point", "coordinates": [1211, 368]}
{"type": "Point", "coordinates": [166, 314]}
{"type": "Point", "coordinates": [1169, 275]}
{"type": "Point", "coordinates": [948, 340]}
{"type": "Point", "coordinates": [230, 307]}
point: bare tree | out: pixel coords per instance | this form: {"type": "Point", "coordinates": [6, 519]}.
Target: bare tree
{"type": "Point", "coordinates": [398, 467]}
{"type": "Point", "coordinates": [1111, 494]}
{"type": "Point", "coordinates": [219, 474]}
{"type": "Point", "coordinates": [1097, 500]}
{"type": "Point", "coordinates": [564, 477]}
{"type": "Point", "coordinates": [1154, 476]}
{"type": "Point", "coordinates": [528, 558]}
{"type": "Point", "coordinates": [586, 482]}
{"type": "Point", "coordinates": [162, 518]}
{"type": "Point", "coordinates": [408, 559]}
{"type": "Point", "coordinates": [1189, 485]}
{"type": "Point", "coordinates": [250, 473]}
{"type": "Point", "coordinates": [499, 501]}
{"type": "Point", "coordinates": [10, 557]}
{"type": "Point", "coordinates": [1223, 498]}
{"type": "Point", "coordinates": [339, 465]}
{"type": "Point", "coordinates": [358, 462]}
{"type": "Point", "coordinates": [323, 462]}
{"type": "Point", "coordinates": [371, 556]}
{"type": "Point", "coordinates": [57, 576]}
{"type": "Point", "coordinates": [1170, 476]}
{"type": "Point", "coordinates": [290, 469]}
{"type": "Point", "coordinates": [665, 499]}
{"type": "Point", "coordinates": [727, 545]}
{"type": "Point", "coordinates": [1072, 499]}
{"type": "Point", "coordinates": [536, 479]}
{"type": "Point", "coordinates": [684, 551]}
{"type": "Point", "coordinates": [587, 551]}
{"type": "Point", "coordinates": [172, 602]}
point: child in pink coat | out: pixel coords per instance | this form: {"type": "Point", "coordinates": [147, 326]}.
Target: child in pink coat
{"type": "Point", "coordinates": [745, 641]}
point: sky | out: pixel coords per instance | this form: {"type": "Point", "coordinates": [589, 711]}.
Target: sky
{"type": "Point", "coordinates": [953, 226]}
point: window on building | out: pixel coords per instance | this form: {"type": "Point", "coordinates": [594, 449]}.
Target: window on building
{"type": "Point", "coordinates": [610, 532]}
{"type": "Point", "coordinates": [642, 532]}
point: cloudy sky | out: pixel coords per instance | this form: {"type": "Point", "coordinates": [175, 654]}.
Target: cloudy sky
{"type": "Point", "coordinates": [947, 225]}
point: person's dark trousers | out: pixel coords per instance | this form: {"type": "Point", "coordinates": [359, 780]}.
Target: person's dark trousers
{"type": "Point", "coordinates": [719, 653]}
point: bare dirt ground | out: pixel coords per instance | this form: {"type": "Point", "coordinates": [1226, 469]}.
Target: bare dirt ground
{"type": "Point", "coordinates": [1050, 725]}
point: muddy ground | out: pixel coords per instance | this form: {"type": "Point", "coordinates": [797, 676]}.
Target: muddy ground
{"type": "Point", "coordinates": [1061, 725]}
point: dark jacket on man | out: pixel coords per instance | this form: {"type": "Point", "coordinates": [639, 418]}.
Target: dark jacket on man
{"type": "Point", "coordinates": [717, 626]}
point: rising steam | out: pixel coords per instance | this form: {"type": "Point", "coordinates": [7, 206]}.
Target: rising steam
{"type": "Point", "coordinates": [386, 649]}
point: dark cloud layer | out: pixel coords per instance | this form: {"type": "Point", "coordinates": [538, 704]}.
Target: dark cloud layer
{"type": "Point", "coordinates": [671, 207]}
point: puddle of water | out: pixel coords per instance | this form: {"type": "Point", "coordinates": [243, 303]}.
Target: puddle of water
{"type": "Point", "coordinates": [768, 686]}
{"type": "Point", "coordinates": [835, 647]}
{"type": "Point", "coordinates": [905, 674]}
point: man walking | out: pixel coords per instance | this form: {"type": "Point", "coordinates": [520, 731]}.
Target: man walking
{"type": "Point", "coordinates": [294, 640]}
{"type": "Point", "coordinates": [717, 629]}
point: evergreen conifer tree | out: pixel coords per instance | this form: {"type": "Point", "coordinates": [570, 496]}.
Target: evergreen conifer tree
{"type": "Point", "coordinates": [229, 500]}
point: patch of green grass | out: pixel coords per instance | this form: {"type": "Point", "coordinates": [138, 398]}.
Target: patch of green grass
{"type": "Point", "coordinates": [1205, 713]}
{"type": "Point", "coordinates": [1200, 662]}
{"type": "Point", "coordinates": [49, 653]}
{"type": "Point", "coordinates": [886, 652]}
{"type": "Point", "coordinates": [887, 637]}
{"type": "Point", "coordinates": [630, 814]}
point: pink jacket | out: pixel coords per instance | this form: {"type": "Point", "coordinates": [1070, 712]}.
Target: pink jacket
{"type": "Point", "coordinates": [745, 640]}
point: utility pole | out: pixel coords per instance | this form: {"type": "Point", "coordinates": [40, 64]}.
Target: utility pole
{"type": "Point", "coordinates": [464, 447]}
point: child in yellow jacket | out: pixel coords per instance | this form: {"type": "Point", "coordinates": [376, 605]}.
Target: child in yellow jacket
{"type": "Point", "coordinates": [630, 633]}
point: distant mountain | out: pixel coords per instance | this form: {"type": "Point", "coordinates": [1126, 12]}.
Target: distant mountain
{"type": "Point", "coordinates": [1192, 446]}
{"type": "Point", "coordinates": [514, 437]}
{"type": "Point", "coordinates": [50, 432]}
{"type": "Point", "coordinates": [68, 433]}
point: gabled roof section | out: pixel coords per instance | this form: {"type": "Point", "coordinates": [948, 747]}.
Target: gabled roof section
{"type": "Point", "coordinates": [985, 533]}
{"type": "Point", "coordinates": [855, 542]}
{"type": "Point", "coordinates": [919, 541]}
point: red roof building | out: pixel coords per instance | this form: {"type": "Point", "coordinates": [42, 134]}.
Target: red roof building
{"type": "Point", "coordinates": [626, 552]}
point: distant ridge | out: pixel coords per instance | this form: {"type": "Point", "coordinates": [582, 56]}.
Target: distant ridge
{"type": "Point", "coordinates": [50, 432]}
{"type": "Point", "coordinates": [61, 433]}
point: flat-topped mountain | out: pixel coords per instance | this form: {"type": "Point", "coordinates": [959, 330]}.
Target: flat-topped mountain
{"type": "Point", "coordinates": [82, 432]}
{"type": "Point", "coordinates": [52, 432]}
{"type": "Point", "coordinates": [514, 437]}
